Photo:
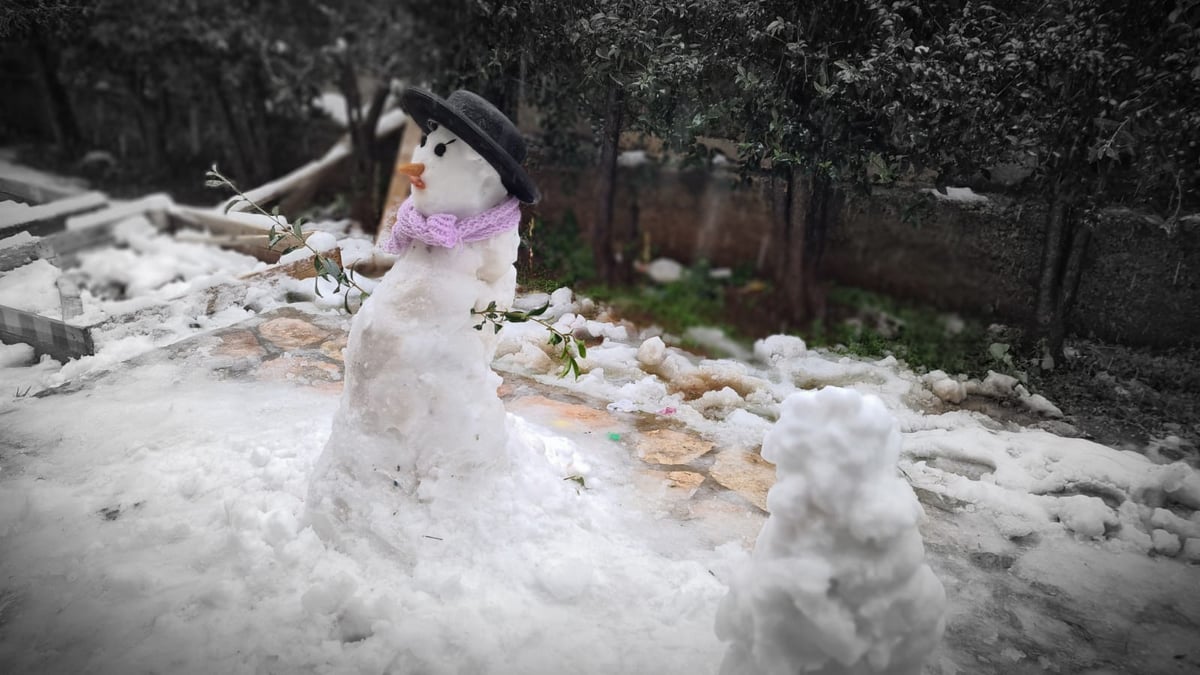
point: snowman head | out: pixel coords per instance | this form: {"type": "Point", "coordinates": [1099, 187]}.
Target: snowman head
{"type": "Point", "coordinates": [470, 155]}
{"type": "Point", "coordinates": [449, 176]}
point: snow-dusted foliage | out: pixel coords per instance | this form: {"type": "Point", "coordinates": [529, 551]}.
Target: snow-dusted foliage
{"type": "Point", "coordinates": [838, 581]}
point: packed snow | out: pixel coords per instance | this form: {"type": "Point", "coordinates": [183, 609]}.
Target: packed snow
{"type": "Point", "coordinates": [838, 583]}
{"type": "Point", "coordinates": [153, 512]}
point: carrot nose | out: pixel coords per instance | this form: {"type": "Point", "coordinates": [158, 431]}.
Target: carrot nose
{"type": "Point", "coordinates": [413, 170]}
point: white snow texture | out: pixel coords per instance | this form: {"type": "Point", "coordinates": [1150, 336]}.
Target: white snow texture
{"type": "Point", "coordinates": [419, 415]}
{"type": "Point", "coordinates": [837, 583]}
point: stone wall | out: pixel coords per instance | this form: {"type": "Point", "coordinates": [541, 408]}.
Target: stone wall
{"type": "Point", "coordinates": [1140, 286]}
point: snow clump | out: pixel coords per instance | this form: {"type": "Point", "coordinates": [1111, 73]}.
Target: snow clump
{"type": "Point", "coordinates": [838, 581]}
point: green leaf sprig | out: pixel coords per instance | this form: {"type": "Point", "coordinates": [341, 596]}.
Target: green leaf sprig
{"type": "Point", "coordinates": [568, 345]}
{"type": "Point", "coordinates": [326, 268]}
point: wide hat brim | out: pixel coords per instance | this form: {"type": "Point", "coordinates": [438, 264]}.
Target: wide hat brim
{"type": "Point", "coordinates": [424, 106]}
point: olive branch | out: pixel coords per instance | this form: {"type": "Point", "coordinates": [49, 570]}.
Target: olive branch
{"type": "Point", "coordinates": [326, 268]}
{"type": "Point", "coordinates": [563, 341]}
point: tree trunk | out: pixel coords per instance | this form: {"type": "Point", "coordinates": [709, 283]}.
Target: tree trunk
{"type": "Point", "coordinates": [235, 150]}
{"type": "Point", "coordinates": [56, 100]}
{"type": "Point", "coordinates": [628, 239]}
{"type": "Point", "coordinates": [152, 149]}
{"type": "Point", "coordinates": [1072, 272]}
{"type": "Point", "coordinates": [607, 252]}
{"type": "Point", "coordinates": [803, 247]}
{"type": "Point", "coordinates": [790, 269]}
{"type": "Point", "coordinates": [366, 192]}
{"type": "Point", "coordinates": [258, 127]}
{"type": "Point", "coordinates": [825, 203]}
{"type": "Point", "coordinates": [1050, 314]}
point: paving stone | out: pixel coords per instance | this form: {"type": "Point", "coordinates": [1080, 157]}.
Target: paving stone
{"type": "Point", "coordinates": [239, 344]}
{"type": "Point", "coordinates": [564, 416]}
{"type": "Point", "coordinates": [666, 446]}
{"type": "Point", "coordinates": [335, 348]}
{"type": "Point", "coordinates": [746, 473]}
{"type": "Point", "coordinates": [301, 370]}
{"type": "Point", "coordinates": [680, 485]}
{"type": "Point", "coordinates": [288, 334]}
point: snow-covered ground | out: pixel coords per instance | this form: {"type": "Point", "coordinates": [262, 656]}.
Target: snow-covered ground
{"type": "Point", "coordinates": [152, 511]}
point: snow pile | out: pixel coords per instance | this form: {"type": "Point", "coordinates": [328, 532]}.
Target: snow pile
{"type": "Point", "coordinates": [998, 386]}
{"type": "Point", "coordinates": [32, 288]}
{"type": "Point", "coordinates": [838, 582]}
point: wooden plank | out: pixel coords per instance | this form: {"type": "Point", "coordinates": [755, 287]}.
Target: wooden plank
{"type": "Point", "coordinates": [47, 218]}
{"type": "Point", "coordinates": [399, 186]}
{"type": "Point", "coordinates": [299, 269]}
{"type": "Point", "coordinates": [69, 297]}
{"type": "Point", "coordinates": [151, 206]}
{"type": "Point", "coordinates": [34, 187]}
{"type": "Point", "coordinates": [60, 340]}
{"type": "Point", "coordinates": [235, 232]}
{"type": "Point", "coordinates": [14, 256]}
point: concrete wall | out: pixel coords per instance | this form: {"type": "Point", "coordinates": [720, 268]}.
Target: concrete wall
{"type": "Point", "coordinates": [1141, 285]}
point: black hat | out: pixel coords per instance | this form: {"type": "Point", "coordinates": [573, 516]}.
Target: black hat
{"type": "Point", "coordinates": [487, 130]}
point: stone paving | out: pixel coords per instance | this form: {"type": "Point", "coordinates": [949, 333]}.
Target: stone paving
{"type": "Point", "coordinates": [676, 464]}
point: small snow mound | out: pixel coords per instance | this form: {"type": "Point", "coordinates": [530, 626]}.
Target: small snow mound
{"type": "Point", "coordinates": [16, 355]}
{"type": "Point", "coordinates": [777, 349]}
{"type": "Point", "coordinates": [1085, 516]}
{"type": "Point", "coordinates": [321, 241]}
{"type": "Point", "coordinates": [1039, 404]}
{"type": "Point", "coordinates": [1165, 542]}
{"type": "Point", "coordinates": [662, 270]}
{"type": "Point", "coordinates": [963, 195]}
{"type": "Point", "coordinates": [948, 389]}
{"type": "Point", "coordinates": [995, 385]}
{"type": "Point", "coordinates": [631, 158]}
{"type": "Point", "coordinates": [652, 352]}
{"type": "Point", "coordinates": [838, 582]}
{"type": "Point", "coordinates": [716, 340]}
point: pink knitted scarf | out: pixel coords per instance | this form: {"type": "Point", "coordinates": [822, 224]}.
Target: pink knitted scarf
{"type": "Point", "coordinates": [446, 230]}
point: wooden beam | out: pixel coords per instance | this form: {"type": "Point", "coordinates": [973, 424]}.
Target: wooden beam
{"type": "Point", "coordinates": [240, 232]}
{"type": "Point", "coordinates": [398, 188]}
{"type": "Point", "coordinates": [51, 217]}
{"type": "Point", "coordinates": [34, 187]}
{"type": "Point", "coordinates": [60, 340]}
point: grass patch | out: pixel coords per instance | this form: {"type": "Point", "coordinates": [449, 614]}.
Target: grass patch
{"type": "Point", "coordinates": [872, 325]}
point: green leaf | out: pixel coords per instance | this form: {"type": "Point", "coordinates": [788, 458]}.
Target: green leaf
{"type": "Point", "coordinates": [539, 311]}
{"type": "Point", "coordinates": [581, 347]}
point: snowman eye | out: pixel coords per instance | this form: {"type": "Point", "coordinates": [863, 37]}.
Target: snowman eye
{"type": "Point", "coordinates": [440, 148]}
{"type": "Point", "coordinates": [423, 137]}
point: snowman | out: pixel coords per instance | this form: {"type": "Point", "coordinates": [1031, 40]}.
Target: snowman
{"type": "Point", "coordinates": [419, 419]}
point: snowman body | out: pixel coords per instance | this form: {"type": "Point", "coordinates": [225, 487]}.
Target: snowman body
{"type": "Point", "coordinates": [419, 416]}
